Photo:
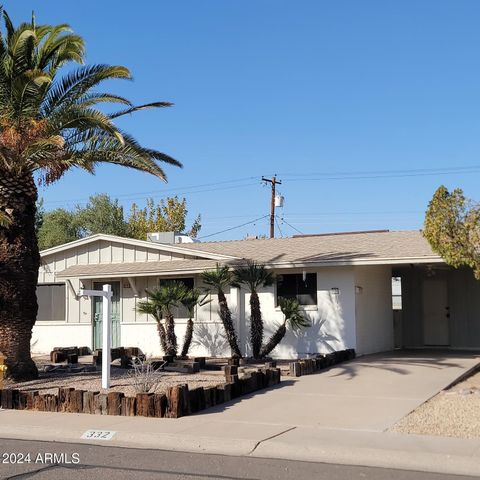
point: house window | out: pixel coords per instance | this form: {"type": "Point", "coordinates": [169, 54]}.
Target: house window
{"type": "Point", "coordinates": [299, 286]}
{"type": "Point", "coordinates": [51, 302]}
{"type": "Point", "coordinates": [187, 281]}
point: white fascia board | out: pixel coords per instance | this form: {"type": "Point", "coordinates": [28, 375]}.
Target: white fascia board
{"type": "Point", "coordinates": [341, 263]}
{"type": "Point", "coordinates": [140, 243]}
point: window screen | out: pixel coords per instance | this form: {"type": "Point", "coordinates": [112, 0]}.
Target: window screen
{"type": "Point", "coordinates": [51, 302]}
{"type": "Point", "coordinates": [296, 285]}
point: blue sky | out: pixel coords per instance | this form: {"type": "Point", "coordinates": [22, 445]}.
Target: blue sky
{"type": "Point", "coordinates": [310, 90]}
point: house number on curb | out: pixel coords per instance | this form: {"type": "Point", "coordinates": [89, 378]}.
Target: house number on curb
{"type": "Point", "coordinates": [98, 435]}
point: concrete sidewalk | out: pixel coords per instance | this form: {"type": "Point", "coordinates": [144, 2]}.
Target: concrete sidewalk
{"type": "Point", "coordinates": [338, 416]}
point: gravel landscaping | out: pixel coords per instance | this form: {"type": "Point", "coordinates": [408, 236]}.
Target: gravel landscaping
{"type": "Point", "coordinates": [452, 413]}
{"type": "Point", "coordinates": [121, 380]}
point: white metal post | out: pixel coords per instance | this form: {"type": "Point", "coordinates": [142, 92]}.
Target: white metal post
{"type": "Point", "coordinates": [107, 336]}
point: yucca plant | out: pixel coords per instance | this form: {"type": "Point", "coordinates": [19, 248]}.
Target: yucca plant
{"type": "Point", "coordinates": [50, 122]}
{"type": "Point", "coordinates": [190, 300]}
{"type": "Point", "coordinates": [218, 280]}
{"type": "Point", "coordinates": [293, 318]}
{"type": "Point", "coordinates": [254, 276]}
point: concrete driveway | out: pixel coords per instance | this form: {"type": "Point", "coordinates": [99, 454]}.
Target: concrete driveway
{"type": "Point", "coordinates": [336, 416]}
{"type": "Point", "coordinates": [370, 393]}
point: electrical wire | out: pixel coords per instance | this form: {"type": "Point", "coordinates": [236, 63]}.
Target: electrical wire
{"type": "Point", "coordinates": [233, 228]}
{"type": "Point", "coordinates": [291, 226]}
{"type": "Point", "coordinates": [178, 191]}
{"type": "Point", "coordinates": [278, 225]}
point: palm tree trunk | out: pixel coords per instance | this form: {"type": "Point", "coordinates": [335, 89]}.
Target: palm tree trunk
{"type": "Point", "coordinates": [274, 340]}
{"type": "Point", "coordinates": [163, 336]}
{"type": "Point", "coordinates": [19, 264]}
{"type": "Point", "coordinates": [256, 324]}
{"type": "Point", "coordinates": [226, 318]}
{"type": "Point", "coordinates": [171, 337]}
{"type": "Point", "coordinates": [188, 338]}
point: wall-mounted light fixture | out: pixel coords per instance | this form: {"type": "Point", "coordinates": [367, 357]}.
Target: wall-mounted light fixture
{"type": "Point", "coordinates": [358, 290]}
{"type": "Point", "coordinates": [335, 291]}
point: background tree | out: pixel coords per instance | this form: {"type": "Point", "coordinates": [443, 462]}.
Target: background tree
{"type": "Point", "coordinates": [101, 215]}
{"type": "Point", "coordinates": [218, 280]}
{"type": "Point", "coordinates": [254, 276]}
{"type": "Point", "coordinates": [49, 124]}
{"type": "Point", "coordinates": [58, 226]}
{"type": "Point", "coordinates": [293, 317]}
{"type": "Point", "coordinates": [169, 215]}
{"type": "Point", "coordinates": [452, 227]}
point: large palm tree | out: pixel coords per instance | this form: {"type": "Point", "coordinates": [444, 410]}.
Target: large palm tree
{"type": "Point", "coordinates": [254, 276]}
{"type": "Point", "coordinates": [218, 280]}
{"type": "Point", "coordinates": [190, 300]}
{"type": "Point", "coordinates": [49, 124]}
{"type": "Point", "coordinates": [293, 317]}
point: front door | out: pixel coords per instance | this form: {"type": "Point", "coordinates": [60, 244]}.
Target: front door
{"type": "Point", "coordinates": [97, 315]}
{"type": "Point", "coordinates": [435, 313]}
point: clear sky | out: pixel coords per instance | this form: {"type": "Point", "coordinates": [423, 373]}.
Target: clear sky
{"type": "Point", "coordinates": [315, 91]}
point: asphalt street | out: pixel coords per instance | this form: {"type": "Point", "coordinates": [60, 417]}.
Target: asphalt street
{"type": "Point", "coordinates": [21, 459]}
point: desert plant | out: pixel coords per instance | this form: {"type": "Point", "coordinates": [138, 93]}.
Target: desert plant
{"type": "Point", "coordinates": [145, 378]}
{"type": "Point", "coordinates": [50, 122]}
{"type": "Point", "coordinates": [160, 305]}
{"type": "Point", "coordinates": [293, 317]}
{"type": "Point", "coordinates": [154, 308]}
{"type": "Point", "coordinates": [254, 276]}
{"type": "Point", "coordinates": [218, 280]}
{"type": "Point", "coordinates": [190, 300]}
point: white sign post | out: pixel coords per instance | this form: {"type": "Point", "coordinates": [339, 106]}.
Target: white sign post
{"type": "Point", "coordinates": [106, 293]}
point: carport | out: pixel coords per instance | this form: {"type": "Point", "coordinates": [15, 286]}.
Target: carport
{"type": "Point", "coordinates": [440, 307]}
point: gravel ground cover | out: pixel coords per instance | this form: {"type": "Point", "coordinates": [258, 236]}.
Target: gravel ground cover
{"type": "Point", "coordinates": [452, 413]}
{"type": "Point", "coordinates": [121, 380]}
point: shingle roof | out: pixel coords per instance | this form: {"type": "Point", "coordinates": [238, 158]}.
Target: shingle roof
{"type": "Point", "coordinates": [382, 247]}
{"type": "Point", "coordinates": [348, 247]}
{"type": "Point", "coordinates": [136, 268]}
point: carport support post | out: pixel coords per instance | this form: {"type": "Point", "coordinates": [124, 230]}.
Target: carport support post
{"type": "Point", "coordinates": [106, 335]}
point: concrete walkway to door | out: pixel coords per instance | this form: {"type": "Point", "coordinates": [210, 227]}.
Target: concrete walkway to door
{"type": "Point", "coordinates": [339, 415]}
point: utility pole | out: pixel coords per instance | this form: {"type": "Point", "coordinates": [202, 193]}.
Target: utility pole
{"type": "Point", "coordinates": [274, 183]}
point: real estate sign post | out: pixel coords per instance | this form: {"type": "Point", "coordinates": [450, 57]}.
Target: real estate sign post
{"type": "Point", "coordinates": [106, 293]}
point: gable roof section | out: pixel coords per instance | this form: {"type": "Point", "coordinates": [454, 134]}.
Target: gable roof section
{"type": "Point", "coordinates": [131, 241]}
{"type": "Point", "coordinates": [378, 247]}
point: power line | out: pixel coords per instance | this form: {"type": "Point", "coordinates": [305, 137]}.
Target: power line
{"type": "Point", "coordinates": [233, 228]}
{"type": "Point", "coordinates": [291, 226]}
{"type": "Point", "coordinates": [152, 194]}
{"type": "Point", "coordinates": [405, 170]}
{"type": "Point", "coordinates": [278, 226]}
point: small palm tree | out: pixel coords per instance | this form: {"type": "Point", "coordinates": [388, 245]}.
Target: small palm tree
{"type": "Point", "coordinates": [154, 307]}
{"type": "Point", "coordinates": [160, 304]}
{"type": "Point", "coordinates": [218, 280]}
{"type": "Point", "coordinates": [293, 317]}
{"type": "Point", "coordinates": [190, 300]}
{"type": "Point", "coordinates": [50, 122]}
{"type": "Point", "coordinates": [254, 276]}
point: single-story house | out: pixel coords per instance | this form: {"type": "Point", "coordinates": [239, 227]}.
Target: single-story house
{"type": "Point", "coordinates": [343, 281]}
